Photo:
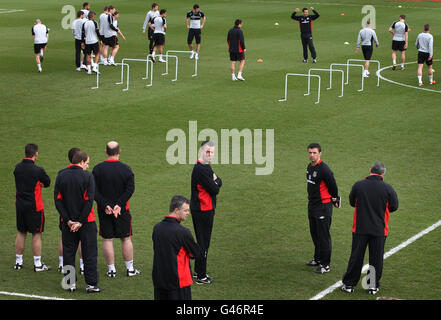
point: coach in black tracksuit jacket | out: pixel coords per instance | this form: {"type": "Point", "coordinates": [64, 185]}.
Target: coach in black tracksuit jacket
{"type": "Point", "coordinates": [373, 200]}
{"type": "Point", "coordinates": [305, 22]}
{"type": "Point", "coordinates": [204, 189]}
{"type": "Point", "coordinates": [322, 188]}
{"type": "Point", "coordinates": [174, 246]}
{"type": "Point", "coordinates": [28, 201]}
{"type": "Point", "coordinates": [73, 195]}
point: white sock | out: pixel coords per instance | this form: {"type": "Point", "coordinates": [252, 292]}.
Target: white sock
{"type": "Point", "coordinates": [60, 261]}
{"type": "Point", "coordinates": [430, 77]}
{"type": "Point", "coordinates": [39, 65]}
{"type": "Point", "coordinates": [129, 265]}
{"type": "Point", "coordinates": [37, 261]}
{"type": "Point", "coordinates": [402, 65]}
{"type": "Point", "coordinates": [88, 68]}
{"type": "Point", "coordinates": [41, 52]}
{"type": "Point", "coordinates": [153, 54]}
{"type": "Point", "coordinates": [420, 79]}
{"type": "Point", "coordinates": [111, 267]}
{"type": "Point", "coordinates": [81, 264]}
{"type": "Point", "coordinates": [239, 74]}
{"type": "Point", "coordinates": [233, 76]}
{"type": "Point", "coordinates": [394, 61]}
{"type": "Point", "coordinates": [19, 258]}
{"type": "Point", "coordinates": [160, 56]}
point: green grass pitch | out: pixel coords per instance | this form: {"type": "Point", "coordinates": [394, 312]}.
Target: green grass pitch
{"type": "Point", "coordinates": [260, 240]}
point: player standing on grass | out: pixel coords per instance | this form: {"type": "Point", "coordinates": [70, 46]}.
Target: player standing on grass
{"type": "Point", "coordinates": [159, 26]}
{"type": "Point", "coordinates": [29, 179]}
{"type": "Point", "coordinates": [40, 34]}
{"type": "Point", "coordinates": [74, 193]}
{"type": "Point", "coordinates": [399, 30]}
{"type": "Point", "coordinates": [150, 16]}
{"type": "Point", "coordinates": [115, 184]}
{"type": "Point", "coordinates": [305, 23]}
{"type": "Point", "coordinates": [424, 44]}
{"type": "Point", "coordinates": [194, 26]}
{"type": "Point", "coordinates": [90, 34]}
{"type": "Point", "coordinates": [205, 185]}
{"type": "Point", "coordinates": [77, 27]}
{"type": "Point", "coordinates": [103, 26]}
{"type": "Point", "coordinates": [107, 35]}
{"type": "Point", "coordinates": [366, 38]}
{"type": "Point", "coordinates": [173, 247]}
{"type": "Point", "coordinates": [373, 200]}
{"type": "Point", "coordinates": [322, 195]}
{"type": "Point", "coordinates": [112, 40]}
{"type": "Point", "coordinates": [236, 48]}
{"type": "Point", "coordinates": [86, 9]}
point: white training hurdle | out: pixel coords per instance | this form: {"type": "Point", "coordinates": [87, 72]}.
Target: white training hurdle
{"type": "Point", "coordinates": [360, 60]}
{"type": "Point", "coordinates": [347, 74]}
{"type": "Point", "coordinates": [180, 51]}
{"type": "Point", "coordinates": [330, 84]}
{"type": "Point", "coordinates": [123, 63]}
{"type": "Point", "coordinates": [302, 75]}
{"type": "Point", "coordinates": [98, 75]}
{"type": "Point", "coordinates": [148, 63]}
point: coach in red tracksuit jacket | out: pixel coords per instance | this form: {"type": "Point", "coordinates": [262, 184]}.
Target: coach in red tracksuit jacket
{"type": "Point", "coordinates": [373, 200]}
{"type": "Point", "coordinates": [173, 247]}
{"type": "Point", "coordinates": [205, 186]}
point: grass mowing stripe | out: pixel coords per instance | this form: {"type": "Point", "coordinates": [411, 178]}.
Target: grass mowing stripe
{"type": "Point", "coordinates": [386, 255]}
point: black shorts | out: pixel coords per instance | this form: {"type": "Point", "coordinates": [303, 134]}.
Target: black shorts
{"type": "Point", "coordinates": [94, 47]}
{"type": "Point", "coordinates": [111, 41]}
{"type": "Point", "coordinates": [194, 33]}
{"type": "Point", "coordinates": [39, 46]}
{"type": "Point", "coordinates": [159, 39]}
{"type": "Point", "coordinates": [30, 221]}
{"type": "Point", "coordinates": [237, 56]}
{"type": "Point", "coordinates": [398, 45]}
{"type": "Point", "coordinates": [423, 57]}
{"type": "Point", "coordinates": [101, 37]}
{"type": "Point", "coordinates": [367, 52]}
{"type": "Point", "coordinates": [111, 227]}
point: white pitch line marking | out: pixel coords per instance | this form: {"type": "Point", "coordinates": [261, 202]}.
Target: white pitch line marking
{"type": "Point", "coordinates": [386, 255]}
{"type": "Point", "coordinates": [33, 296]}
{"type": "Point", "coordinates": [403, 84]}
{"type": "Point", "coordinates": [11, 10]}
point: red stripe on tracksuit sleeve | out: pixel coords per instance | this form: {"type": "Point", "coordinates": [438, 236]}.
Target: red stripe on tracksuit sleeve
{"type": "Point", "coordinates": [184, 274]}
{"type": "Point", "coordinates": [38, 200]}
{"type": "Point", "coordinates": [386, 220]}
{"type": "Point", "coordinates": [204, 199]}
{"type": "Point", "coordinates": [324, 193]}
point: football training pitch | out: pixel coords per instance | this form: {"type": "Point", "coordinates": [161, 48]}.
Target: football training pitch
{"type": "Point", "coordinates": [261, 240]}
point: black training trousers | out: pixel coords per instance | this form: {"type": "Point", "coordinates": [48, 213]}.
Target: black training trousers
{"type": "Point", "coordinates": [320, 219]}
{"type": "Point", "coordinates": [307, 42]}
{"type": "Point", "coordinates": [203, 226]}
{"type": "Point", "coordinates": [178, 294]}
{"type": "Point", "coordinates": [87, 234]}
{"type": "Point", "coordinates": [78, 53]}
{"type": "Point", "coordinates": [355, 264]}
